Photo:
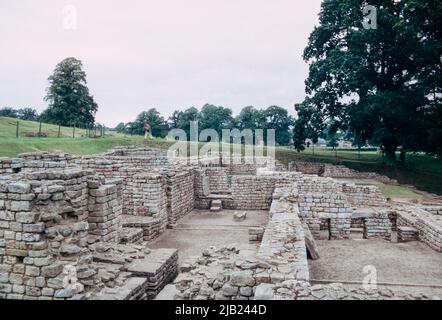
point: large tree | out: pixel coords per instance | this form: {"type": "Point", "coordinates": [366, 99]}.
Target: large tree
{"type": "Point", "coordinates": [70, 102]}
{"type": "Point", "coordinates": [278, 119]}
{"type": "Point", "coordinates": [308, 125]}
{"type": "Point", "coordinates": [182, 119]}
{"type": "Point", "coordinates": [152, 117]}
{"type": "Point", "coordinates": [216, 118]}
{"type": "Point", "coordinates": [371, 80]}
{"type": "Point", "coordinates": [28, 114]}
{"type": "Point", "coordinates": [8, 112]}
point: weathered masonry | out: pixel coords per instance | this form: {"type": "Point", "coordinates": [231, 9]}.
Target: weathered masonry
{"type": "Point", "coordinates": [80, 227]}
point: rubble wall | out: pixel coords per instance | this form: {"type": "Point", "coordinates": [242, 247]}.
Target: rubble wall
{"type": "Point", "coordinates": [283, 243]}
{"type": "Point", "coordinates": [180, 195]}
{"type": "Point", "coordinates": [43, 227]}
{"type": "Point", "coordinates": [105, 209]}
{"type": "Point", "coordinates": [252, 192]}
{"type": "Point", "coordinates": [316, 207]}
{"type": "Point", "coordinates": [336, 171]}
{"type": "Point", "coordinates": [364, 196]}
{"type": "Point", "coordinates": [428, 225]}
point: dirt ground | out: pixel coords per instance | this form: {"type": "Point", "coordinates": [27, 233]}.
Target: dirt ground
{"type": "Point", "coordinates": [202, 229]}
{"type": "Point", "coordinates": [398, 263]}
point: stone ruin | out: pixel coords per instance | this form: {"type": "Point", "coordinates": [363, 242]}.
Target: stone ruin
{"type": "Point", "coordinates": [80, 227]}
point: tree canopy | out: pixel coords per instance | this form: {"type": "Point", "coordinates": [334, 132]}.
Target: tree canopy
{"type": "Point", "coordinates": [154, 118]}
{"type": "Point", "coordinates": [22, 113]}
{"type": "Point", "coordinates": [383, 84]}
{"type": "Point", "coordinates": [216, 118]}
{"type": "Point", "coordinates": [70, 102]}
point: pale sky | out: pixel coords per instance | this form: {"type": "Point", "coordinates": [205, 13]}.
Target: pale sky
{"type": "Point", "coordinates": [168, 54]}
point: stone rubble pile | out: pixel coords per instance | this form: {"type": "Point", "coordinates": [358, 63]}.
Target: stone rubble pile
{"type": "Point", "coordinates": [131, 235]}
{"type": "Point", "coordinates": [133, 272]}
{"type": "Point", "coordinates": [228, 273]}
{"type": "Point", "coordinates": [301, 290]}
{"type": "Point", "coordinates": [336, 171]}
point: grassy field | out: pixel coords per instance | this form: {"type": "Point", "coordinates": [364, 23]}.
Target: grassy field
{"type": "Point", "coordinates": [390, 191]}
{"type": "Point", "coordinates": [420, 170]}
{"type": "Point", "coordinates": [8, 128]}
{"type": "Point", "coordinates": [10, 147]}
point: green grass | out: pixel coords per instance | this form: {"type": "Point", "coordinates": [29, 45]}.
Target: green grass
{"type": "Point", "coordinates": [398, 192]}
{"type": "Point", "coordinates": [390, 191]}
{"type": "Point", "coordinates": [8, 128]}
{"type": "Point", "coordinates": [10, 147]}
{"type": "Point", "coordinates": [420, 170]}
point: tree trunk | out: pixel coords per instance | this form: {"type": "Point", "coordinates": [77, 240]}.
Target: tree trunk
{"type": "Point", "coordinates": [402, 156]}
{"type": "Point", "coordinates": [390, 153]}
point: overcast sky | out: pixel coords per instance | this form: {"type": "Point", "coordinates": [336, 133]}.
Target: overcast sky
{"type": "Point", "coordinates": [168, 54]}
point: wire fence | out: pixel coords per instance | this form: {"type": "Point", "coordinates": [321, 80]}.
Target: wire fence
{"type": "Point", "coordinates": [22, 129]}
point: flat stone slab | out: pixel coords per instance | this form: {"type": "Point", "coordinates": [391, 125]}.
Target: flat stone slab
{"type": "Point", "coordinates": [144, 268]}
{"type": "Point", "coordinates": [168, 293]}
{"type": "Point", "coordinates": [240, 216]}
{"type": "Point", "coordinates": [153, 263]}
{"type": "Point", "coordinates": [362, 213]}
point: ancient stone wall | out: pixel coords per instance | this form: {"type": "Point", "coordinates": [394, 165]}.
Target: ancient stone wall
{"type": "Point", "coordinates": [43, 228]}
{"type": "Point", "coordinates": [252, 192]}
{"type": "Point", "coordinates": [229, 273]}
{"type": "Point", "coordinates": [10, 165]}
{"type": "Point", "coordinates": [201, 189]}
{"type": "Point", "coordinates": [149, 196]}
{"type": "Point", "coordinates": [283, 243]}
{"type": "Point", "coordinates": [313, 184]}
{"type": "Point", "coordinates": [105, 209]}
{"type": "Point", "coordinates": [336, 171]}
{"type": "Point", "coordinates": [377, 225]}
{"type": "Point", "coordinates": [218, 180]}
{"type": "Point", "coordinates": [364, 196]}
{"type": "Point", "coordinates": [180, 194]}
{"type": "Point", "coordinates": [428, 225]}
{"type": "Point", "coordinates": [433, 209]}
{"type": "Point", "coordinates": [316, 207]}
{"type": "Point", "coordinates": [307, 167]}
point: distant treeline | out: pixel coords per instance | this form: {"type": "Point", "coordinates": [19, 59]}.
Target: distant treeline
{"type": "Point", "coordinates": [27, 113]}
{"type": "Point", "coordinates": [216, 118]}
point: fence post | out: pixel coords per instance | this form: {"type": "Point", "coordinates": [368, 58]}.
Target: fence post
{"type": "Point", "coordinates": [59, 128]}
{"type": "Point", "coordinates": [16, 130]}
{"type": "Point", "coordinates": [39, 130]}
{"type": "Point", "coordinates": [73, 132]}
